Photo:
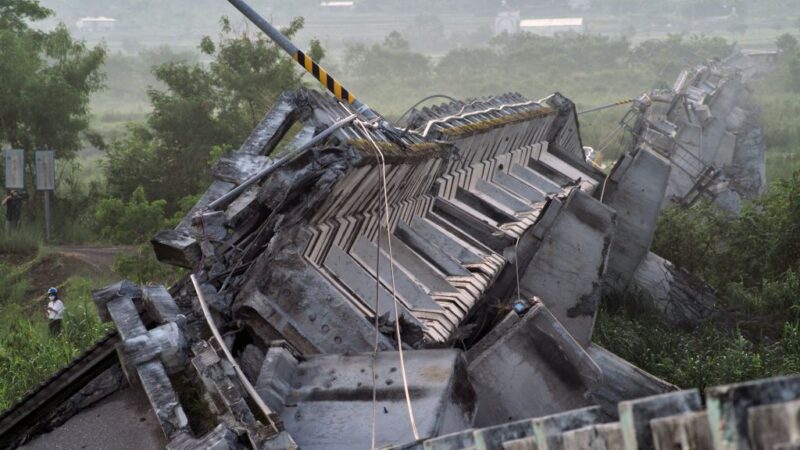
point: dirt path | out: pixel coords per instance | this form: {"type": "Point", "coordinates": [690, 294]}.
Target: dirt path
{"type": "Point", "coordinates": [101, 258]}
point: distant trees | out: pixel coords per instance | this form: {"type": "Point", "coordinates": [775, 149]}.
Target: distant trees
{"type": "Point", "coordinates": [46, 79]}
{"type": "Point", "coordinates": [787, 75]}
{"type": "Point", "coordinates": [203, 107]}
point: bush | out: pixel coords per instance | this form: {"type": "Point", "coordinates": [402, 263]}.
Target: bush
{"type": "Point", "coordinates": [132, 222]}
{"type": "Point", "coordinates": [143, 268]}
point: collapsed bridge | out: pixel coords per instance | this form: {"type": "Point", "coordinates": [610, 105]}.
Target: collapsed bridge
{"type": "Point", "coordinates": [357, 286]}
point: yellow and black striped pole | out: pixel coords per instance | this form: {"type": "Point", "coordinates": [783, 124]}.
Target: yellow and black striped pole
{"type": "Point", "coordinates": [324, 77]}
{"type": "Point", "coordinates": [304, 60]}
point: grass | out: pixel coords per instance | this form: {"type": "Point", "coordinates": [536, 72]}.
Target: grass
{"type": "Point", "coordinates": [29, 355]}
{"type": "Point", "coordinates": [25, 240]}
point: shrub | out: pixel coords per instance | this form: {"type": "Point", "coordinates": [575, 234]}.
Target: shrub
{"type": "Point", "coordinates": [131, 222]}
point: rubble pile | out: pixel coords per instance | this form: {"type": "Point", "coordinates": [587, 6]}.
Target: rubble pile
{"type": "Point", "coordinates": [434, 287]}
{"type": "Point", "coordinates": [707, 126]}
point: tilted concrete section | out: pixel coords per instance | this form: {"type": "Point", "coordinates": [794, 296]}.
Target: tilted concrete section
{"type": "Point", "coordinates": [707, 126]}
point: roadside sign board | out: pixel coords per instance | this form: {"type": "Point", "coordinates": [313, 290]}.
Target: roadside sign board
{"type": "Point", "coordinates": [45, 170]}
{"type": "Point", "coordinates": [14, 164]}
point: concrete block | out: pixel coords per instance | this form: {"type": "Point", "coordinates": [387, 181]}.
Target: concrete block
{"type": "Point", "coordinates": [567, 269]}
{"type": "Point", "coordinates": [549, 430]}
{"type": "Point", "coordinates": [492, 438]}
{"type": "Point", "coordinates": [606, 436]}
{"type": "Point", "coordinates": [636, 196]}
{"type": "Point", "coordinates": [330, 393]}
{"type": "Point", "coordinates": [276, 377]}
{"type": "Point", "coordinates": [103, 296]}
{"type": "Point", "coordinates": [773, 425]}
{"type": "Point", "coordinates": [788, 446]}
{"type": "Point", "coordinates": [159, 304]}
{"type": "Point", "coordinates": [689, 431]}
{"type": "Point", "coordinates": [635, 415]}
{"type": "Point", "coordinates": [728, 407]}
{"type": "Point", "coordinates": [220, 438]}
{"type": "Point", "coordinates": [533, 369]}
{"type": "Point", "coordinates": [177, 248]}
{"type": "Point", "coordinates": [621, 381]}
{"type": "Point", "coordinates": [528, 443]}
{"type": "Point", "coordinates": [456, 441]}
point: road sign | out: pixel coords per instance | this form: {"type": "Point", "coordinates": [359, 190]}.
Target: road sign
{"type": "Point", "coordinates": [14, 163]}
{"type": "Point", "coordinates": [45, 170]}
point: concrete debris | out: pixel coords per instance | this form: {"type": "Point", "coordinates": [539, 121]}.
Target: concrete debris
{"type": "Point", "coordinates": [707, 126]}
{"type": "Point", "coordinates": [452, 310]}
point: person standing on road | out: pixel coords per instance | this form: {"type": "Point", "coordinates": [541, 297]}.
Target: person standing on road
{"type": "Point", "coordinates": [55, 312]}
{"type": "Point", "coordinates": [13, 204]}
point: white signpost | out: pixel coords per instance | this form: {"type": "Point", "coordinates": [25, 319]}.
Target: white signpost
{"type": "Point", "coordinates": [14, 164]}
{"type": "Point", "coordinates": [46, 181]}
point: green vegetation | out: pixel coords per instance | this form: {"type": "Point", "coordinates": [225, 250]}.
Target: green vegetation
{"type": "Point", "coordinates": [753, 261]}
{"type": "Point", "coordinates": [28, 354]}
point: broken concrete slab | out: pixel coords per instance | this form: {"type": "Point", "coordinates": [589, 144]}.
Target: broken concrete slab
{"type": "Point", "coordinates": [535, 348]}
{"type": "Point", "coordinates": [688, 431]}
{"type": "Point", "coordinates": [635, 415]}
{"type": "Point", "coordinates": [684, 300]}
{"type": "Point", "coordinates": [494, 438]}
{"type": "Point", "coordinates": [528, 443]}
{"type": "Point", "coordinates": [621, 381]}
{"type": "Point", "coordinates": [330, 392]}
{"type": "Point", "coordinates": [728, 407]}
{"type": "Point", "coordinates": [772, 425]}
{"type": "Point", "coordinates": [549, 430]}
{"type": "Point", "coordinates": [596, 437]}
{"type": "Point", "coordinates": [567, 269]}
{"type": "Point", "coordinates": [635, 190]}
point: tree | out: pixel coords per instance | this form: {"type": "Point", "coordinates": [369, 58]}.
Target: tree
{"type": "Point", "coordinates": [787, 44]}
{"type": "Point", "coordinates": [203, 107]}
{"type": "Point", "coordinates": [46, 79]}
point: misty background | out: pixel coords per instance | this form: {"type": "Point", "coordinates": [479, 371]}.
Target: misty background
{"type": "Point", "coordinates": [393, 52]}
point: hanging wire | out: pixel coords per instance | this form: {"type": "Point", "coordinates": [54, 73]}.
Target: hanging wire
{"type": "Point", "coordinates": [382, 163]}
{"type": "Point", "coordinates": [430, 97]}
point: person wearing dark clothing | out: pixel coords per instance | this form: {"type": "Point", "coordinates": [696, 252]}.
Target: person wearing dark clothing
{"type": "Point", "coordinates": [13, 204]}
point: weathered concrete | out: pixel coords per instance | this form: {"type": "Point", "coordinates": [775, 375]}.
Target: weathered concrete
{"type": "Point", "coordinates": [101, 426]}
{"type": "Point", "coordinates": [549, 431]}
{"type": "Point", "coordinates": [596, 437]}
{"type": "Point", "coordinates": [493, 438]}
{"type": "Point", "coordinates": [635, 190]}
{"type": "Point", "coordinates": [689, 431]}
{"type": "Point", "coordinates": [332, 392]}
{"type": "Point", "coordinates": [521, 444]}
{"type": "Point", "coordinates": [621, 381]}
{"type": "Point", "coordinates": [220, 438]}
{"type": "Point", "coordinates": [635, 415]}
{"type": "Point", "coordinates": [772, 425]}
{"type": "Point", "coordinates": [536, 348]}
{"type": "Point", "coordinates": [728, 408]}
{"type": "Point", "coordinates": [685, 300]}
{"type": "Point", "coordinates": [461, 440]}
{"type": "Point", "coordinates": [567, 269]}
